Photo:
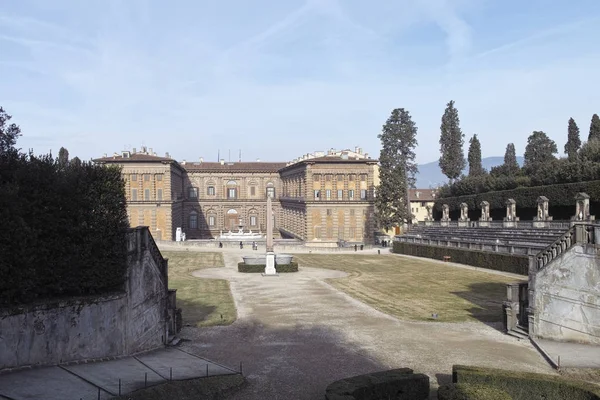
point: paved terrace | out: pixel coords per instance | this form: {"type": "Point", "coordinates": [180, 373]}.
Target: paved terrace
{"type": "Point", "coordinates": [296, 334]}
{"type": "Point", "coordinates": [100, 380]}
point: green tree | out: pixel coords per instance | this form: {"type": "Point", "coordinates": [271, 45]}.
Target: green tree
{"type": "Point", "coordinates": [397, 169]}
{"type": "Point", "coordinates": [475, 167]}
{"type": "Point", "coordinates": [452, 160]}
{"type": "Point", "coordinates": [594, 128]}
{"type": "Point", "coordinates": [539, 152]}
{"type": "Point", "coordinates": [573, 141]}
{"type": "Point", "coordinates": [510, 160]}
{"type": "Point", "coordinates": [8, 133]}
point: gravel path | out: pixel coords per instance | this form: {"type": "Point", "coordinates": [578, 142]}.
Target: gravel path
{"type": "Point", "coordinates": [295, 334]}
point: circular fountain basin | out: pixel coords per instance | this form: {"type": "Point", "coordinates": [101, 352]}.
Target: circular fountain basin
{"type": "Point", "coordinates": [262, 259]}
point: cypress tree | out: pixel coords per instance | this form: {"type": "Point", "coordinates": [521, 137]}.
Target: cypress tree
{"type": "Point", "coordinates": [594, 128]}
{"type": "Point", "coordinates": [397, 169]}
{"type": "Point", "coordinates": [573, 141]}
{"type": "Point", "coordinates": [475, 167]}
{"type": "Point", "coordinates": [452, 160]}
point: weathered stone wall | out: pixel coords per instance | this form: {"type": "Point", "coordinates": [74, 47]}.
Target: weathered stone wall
{"type": "Point", "coordinates": [567, 297]}
{"type": "Point", "coordinates": [93, 327]}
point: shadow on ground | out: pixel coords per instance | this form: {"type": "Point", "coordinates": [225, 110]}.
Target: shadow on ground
{"type": "Point", "coordinates": [486, 310]}
{"type": "Point", "coordinates": [298, 362]}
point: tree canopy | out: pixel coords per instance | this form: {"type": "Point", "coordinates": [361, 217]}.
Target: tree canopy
{"type": "Point", "coordinates": [573, 140]}
{"type": "Point", "coordinates": [397, 169]}
{"type": "Point", "coordinates": [452, 160]}
{"type": "Point", "coordinates": [594, 128]}
{"type": "Point", "coordinates": [539, 152]}
{"type": "Point", "coordinates": [475, 167]}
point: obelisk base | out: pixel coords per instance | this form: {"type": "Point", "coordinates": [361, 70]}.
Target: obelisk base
{"type": "Point", "coordinates": [270, 265]}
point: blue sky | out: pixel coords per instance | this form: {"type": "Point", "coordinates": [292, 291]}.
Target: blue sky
{"type": "Point", "coordinates": [278, 79]}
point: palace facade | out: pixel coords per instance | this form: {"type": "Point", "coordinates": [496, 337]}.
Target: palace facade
{"type": "Point", "coordinates": [320, 198]}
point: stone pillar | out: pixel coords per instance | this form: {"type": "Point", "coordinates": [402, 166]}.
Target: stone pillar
{"type": "Point", "coordinates": [464, 215]}
{"type": "Point", "coordinates": [582, 208]}
{"type": "Point", "coordinates": [485, 219]}
{"type": "Point", "coordinates": [445, 221]}
{"type": "Point", "coordinates": [511, 218]}
{"type": "Point", "coordinates": [542, 217]}
{"type": "Point", "coordinates": [270, 258]}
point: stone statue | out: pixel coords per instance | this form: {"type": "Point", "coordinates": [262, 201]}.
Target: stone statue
{"type": "Point", "coordinates": [445, 213]}
{"type": "Point", "coordinates": [429, 216]}
{"type": "Point", "coordinates": [511, 210]}
{"type": "Point", "coordinates": [542, 209]}
{"type": "Point", "coordinates": [464, 212]}
{"type": "Point", "coordinates": [582, 208]}
{"type": "Point", "coordinates": [485, 211]}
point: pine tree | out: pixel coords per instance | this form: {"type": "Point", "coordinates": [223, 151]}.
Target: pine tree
{"type": "Point", "coordinates": [594, 128]}
{"type": "Point", "coordinates": [573, 141]}
{"type": "Point", "coordinates": [8, 133]}
{"type": "Point", "coordinates": [511, 165]}
{"type": "Point", "coordinates": [397, 169]}
{"type": "Point", "coordinates": [475, 167]}
{"type": "Point", "coordinates": [452, 160]}
{"type": "Point", "coordinates": [539, 152]}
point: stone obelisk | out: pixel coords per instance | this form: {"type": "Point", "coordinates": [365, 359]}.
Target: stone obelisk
{"type": "Point", "coordinates": [270, 259]}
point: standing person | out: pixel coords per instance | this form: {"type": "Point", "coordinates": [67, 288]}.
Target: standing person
{"type": "Point", "coordinates": [241, 245]}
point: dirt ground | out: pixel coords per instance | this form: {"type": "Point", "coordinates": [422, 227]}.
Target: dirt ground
{"type": "Point", "coordinates": [296, 333]}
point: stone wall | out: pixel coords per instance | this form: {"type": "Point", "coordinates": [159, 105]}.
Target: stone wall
{"type": "Point", "coordinates": [120, 324]}
{"type": "Point", "coordinates": [567, 297]}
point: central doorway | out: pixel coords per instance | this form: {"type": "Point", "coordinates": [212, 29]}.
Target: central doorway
{"type": "Point", "coordinates": [232, 220]}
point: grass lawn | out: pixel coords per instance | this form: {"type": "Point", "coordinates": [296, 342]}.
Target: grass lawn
{"type": "Point", "coordinates": [414, 289]}
{"type": "Point", "coordinates": [204, 302]}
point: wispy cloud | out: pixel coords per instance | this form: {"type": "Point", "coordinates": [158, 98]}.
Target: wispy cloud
{"type": "Point", "coordinates": [279, 79]}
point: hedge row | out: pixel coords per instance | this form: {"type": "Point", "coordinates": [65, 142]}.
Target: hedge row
{"type": "Point", "coordinates": [515, 264]}
{"type": "Point", "coordinates": [291, 267]}
{"type": "Point", "coordinates": [525, 197]}
{"type": "Point", "coordinates": [472, 382]}
{"type": "Point", "coordinates": [63, 229]}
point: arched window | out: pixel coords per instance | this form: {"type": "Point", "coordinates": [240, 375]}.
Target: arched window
{"type": "Point", "coordinates": [193, 220]}
{"type": "Point", "coordinates": [210, 189]}
{"type": "Point", "coordinates": [231, 190]}
{"type": "Point", "coordinates": [253, 219]}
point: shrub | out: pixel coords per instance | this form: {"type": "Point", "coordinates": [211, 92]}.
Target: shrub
{"type": "Point", "coordinates": [515, 264]}
{"type": "Point", "coordinates": [393, 384]}
{"type": "Point", "coordinates": [462, 391]}
{"type": "Point", "coordinates": [291, 267]}
{"type": "Point", "coordinates": [525, 386]}
{"type": "Point", "coordinates": [63, 229]}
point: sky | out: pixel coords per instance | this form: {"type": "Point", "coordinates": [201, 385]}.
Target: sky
{"type": "Point", "coordinates": [278, 79]}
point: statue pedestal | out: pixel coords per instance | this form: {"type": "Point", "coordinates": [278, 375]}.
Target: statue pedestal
{"type": "Point", "coordinates": [463, 223]}
{"type": "Point", "coordinates": [445, 222]}
{"type": "Point", "coordinates": [428, 223]}
{"type": "Point", "coordinates": [270, 265]}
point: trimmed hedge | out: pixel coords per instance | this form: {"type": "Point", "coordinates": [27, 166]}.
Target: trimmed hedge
{"type": "Point", "coordinates": [463, 391]}
{"type": "Point", "coordinates": [399, 384]}
{"type": "Point", "coordinates": [515, 264]}
{"type": "Point", "coordinates": [519, 385]}
{"type": "Point", "coordinates": [291, 267]}
{"type": "Point", "coordinates": [64, 227]}
{"type": "Point", "coordinates": [560, 195]}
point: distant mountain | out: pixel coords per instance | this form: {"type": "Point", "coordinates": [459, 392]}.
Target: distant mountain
{"type": "Point", "coordinates": [430, 174]}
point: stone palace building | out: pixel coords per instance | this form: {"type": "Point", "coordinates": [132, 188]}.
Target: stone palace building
{"type": "Point", "coordinates": [320, 198]}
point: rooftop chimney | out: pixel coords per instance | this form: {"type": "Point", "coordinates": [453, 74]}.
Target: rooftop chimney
{"type": "Point", "coordinates": [258, 160]}
{"type": "Point", "coordinates": [105, 155]}
{"type": "Point", "coordinates": [133, 151]}
{"type": "Point", "coordinates": [183, 162]}
{"type": "Point", "coordinates": [201, 160]}
{"type": "Point", "coordinates": [357, 149]}
{"type": "Point", "coordinates": [222, 161]}
{"type": "Point", "coordinates": [150, 151]}
{"type": "Point", "coordinates": [167, 155]}
{"type": "Point", "coordinates": [360, 150]}
{"type": "Point", "coordinates": [143, 149]}
{"type": "Point", "coordinates": [366, 155]}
